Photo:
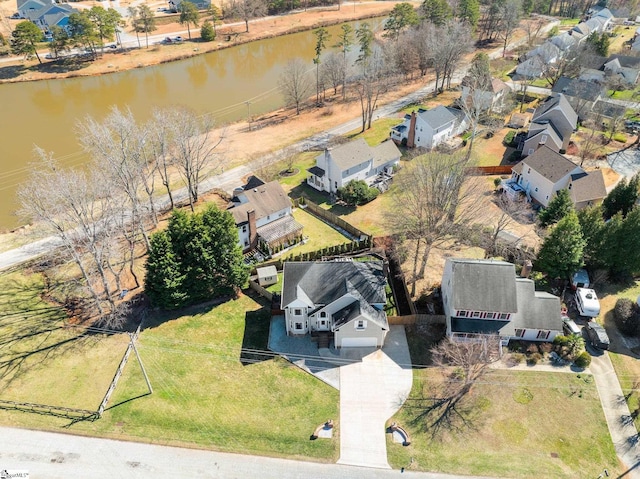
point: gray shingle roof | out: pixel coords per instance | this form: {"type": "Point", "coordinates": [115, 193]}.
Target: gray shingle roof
{"type": "Point", "coordinates": [351, 154]}
{"type": "Point", "coordinates": [325, 281]}
{"type": "Point", "coordinates": [385, 152]}
{"type": "Point", "coordinates": [483, 285]}
{"type": "Point", "coordinates": [553, 166]}
{"type": "Point", "coordinates": [536, 309]}
{"type": "Point", "coordinates": [588, 187]}
{"type": "Point", "coordinates": [557, 100]}
{"type": "Point", "coordinates": [437, 117]}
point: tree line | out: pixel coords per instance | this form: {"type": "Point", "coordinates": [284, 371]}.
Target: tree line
{"type": "Point", "coordinates": [102, 214]}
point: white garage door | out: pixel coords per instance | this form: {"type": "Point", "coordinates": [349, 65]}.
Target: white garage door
{"type": "Point", "coordinates": [359, 342]}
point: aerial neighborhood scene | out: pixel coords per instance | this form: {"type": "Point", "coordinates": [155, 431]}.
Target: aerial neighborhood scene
{"type": "Point", "coordinates": [320, 238]}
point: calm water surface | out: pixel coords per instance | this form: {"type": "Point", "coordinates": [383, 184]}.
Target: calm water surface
{"type": "Point", "coordinates": [44, 113]}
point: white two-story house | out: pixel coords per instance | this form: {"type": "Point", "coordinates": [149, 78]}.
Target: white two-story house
{"type": "Point", "coordinates": [486, 297]}
{"type": "Point", "coordinates": [262, 213]}
{"type": "Point", "coordinates": [355, 160]}
{"type": "Point", "coordinates": [429, 128]}
{"type": "Point", "coordinates": [343, 299]}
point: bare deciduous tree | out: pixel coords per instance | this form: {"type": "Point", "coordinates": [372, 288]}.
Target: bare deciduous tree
{"type": "Point", "coordinates": [512, 211]}
{"type": "Point", "coordinates": [295, 83]}
{"type": "Point", "coordinates": [430, 201]}
{"type": "Point", "coordinates": [372, 81]}
{"type": "Point", "coordinates": [447, 45]}
{"type": "Point", "coordinates": [332, 71]}
{"type": "Point", "coordinates": [192, 147]}
{"type": "Point", "coordinates": [247, 10]}
{"type": "Point", "coordinates": [448, 405]}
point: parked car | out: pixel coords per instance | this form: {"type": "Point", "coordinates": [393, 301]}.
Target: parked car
{"type": "Point", "coordinates": [597, 335]}
{"type": "Point", "coordinates": [177, 39]}
{"type": "Point", "coordinates": [569, 326]}
{"type": "Point", "coordinates": [587, 302]}
{"type": "Point", "coordinates": [168, 40]}
{"type": "Point", "coordinates": [580, 279]}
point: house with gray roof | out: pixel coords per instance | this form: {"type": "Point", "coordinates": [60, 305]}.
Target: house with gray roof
{"type": "Point", "coordinates": [545, 172]}
{"type": "Point", "coordinates": [429, 128]}
{"type": "Point", "coordinates": [342, 300]}
{"type": "Point", "coordinates": [46, 14]}
{"type": "Point", "coordinates": [355, 160]}
{"type": "Point", "coordinates": [581, 94]}
{"type": "Point", "coordinates": [263, 217]}
{"type": "Point", "coordinates": [553, 119]}
{"type": "Point", "coordinates": [486, 297]}
{"type": "Point", "coordinates": [564, 42]}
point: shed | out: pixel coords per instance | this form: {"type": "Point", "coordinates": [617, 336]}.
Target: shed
{"type": "Point", "coordinates": [267, 275]}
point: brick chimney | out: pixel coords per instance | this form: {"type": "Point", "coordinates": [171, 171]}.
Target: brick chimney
{"type": "Point", "coordinates": [526, 269]}
{"type": "Point", "coordinates": [253, 234]}
{"type": "Point", "coordinates": [412, 131]}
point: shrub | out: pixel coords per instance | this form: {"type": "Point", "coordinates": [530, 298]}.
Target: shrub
{"type": "Point", "coordinates": [497, 182]}
{"type": "Point", "coordinates": [619, 136]}
{"type": "Point", "coordinates": [561, 340]}
{"type": "Point", "coordinates": [545, 347]}
{"type": "Point", "coordinates": [509, 137]}
{"type": "Point", "coordinates": [517, 358]}
{"type": "Point", "coordinates": [534, 359]}
{"type": "Point", "coordinates": [627, 316]}
{"type": "Point", "coordinates": [207, 32]}
{"type": "Point", "coordinates": [583, 360]}
{"type": "Point", "coordinates": [515, 156]}
{"type": "Point", "coordinates": [357, 192]}
{"type": "Point", "coordinates": [532, 348]}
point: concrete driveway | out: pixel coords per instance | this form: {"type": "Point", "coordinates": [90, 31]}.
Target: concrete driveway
{"type": "Point", "coordinates": [621, 428]}
{"type": "Point", "coordinates": [371, 391]}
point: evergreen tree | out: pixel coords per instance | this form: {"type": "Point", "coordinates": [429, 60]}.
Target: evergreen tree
{"type": "Point", "coordinates": [562, 251]}
{"type": "Point", "coordinates": [593, 231]}
{"type": "Point", "coordinates": [621, 245]}
{"type": "Point", "coordinates": [559, 206]}
{"type": "Point", "coordinates": [24, 39]}
{"type": "Point", "coordinates": [600, 43]}
{"type": "Point", "coordinates": [207, 32]}
{"type": "Point", "coordinates": [402, 16]}
{"type": "Point", "coordinates": [469, 12]}
{"type": "Point", "coordinates": [622, 198]}
{"type": "Point", "coordinates": [189, 14]}
{"type": "Point", "coordinates": [436, 11]}
{"type": "Point", "coordinates": [197, 258]}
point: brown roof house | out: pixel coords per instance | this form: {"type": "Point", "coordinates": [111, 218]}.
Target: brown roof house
{"type": "Point", "coordinates": [545, 172]}
{"type": "Point", "coordinates": [262, 212]}
{"type": "Point", "coordinates": [340, 299]}
{"type": "Point", "coordinates": [552, 125]}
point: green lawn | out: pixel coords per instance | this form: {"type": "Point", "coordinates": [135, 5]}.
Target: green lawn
{"type": "Point", "coordinates": [320, 234]}
{"type": "Point", "coordinates": [207, 392]}
{"type": "Point", "coordinates": [569, 21]}
{"type": "Point", "coordinates": [524, 424]}
{"type": "Point", "coordinates": [378, 132]}
{"type": "Point", "coordinates": [44, 359]}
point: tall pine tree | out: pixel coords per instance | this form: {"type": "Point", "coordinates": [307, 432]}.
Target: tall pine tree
{"type": "Point", "coordinates": [562, 251]}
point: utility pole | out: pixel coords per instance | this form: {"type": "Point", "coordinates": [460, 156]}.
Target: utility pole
{"type": "Point", "coordinates": [248, 103]}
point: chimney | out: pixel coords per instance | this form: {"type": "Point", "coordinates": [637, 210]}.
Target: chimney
{"type": "Point", "coordinates": [526, 269]}
{"type": "Point", "coordinates": [385, 268]}
{"type": "Point", "coordinates": [253, 235]}
{"type": "Point", "coordinates": [412, 131]}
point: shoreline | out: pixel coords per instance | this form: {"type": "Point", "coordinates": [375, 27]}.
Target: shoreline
{"type": "Point", "coordinates": [131, 58]}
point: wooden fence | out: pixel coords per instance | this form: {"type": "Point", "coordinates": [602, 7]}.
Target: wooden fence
{"type": "Point", "coordinates": [328, 217]}
{"type": "Point", "coordinates": [260, 290]}
{"type": "Point", "coordinates": [411, 319]}
{"type": "Point", "coordinates": [490, 170]}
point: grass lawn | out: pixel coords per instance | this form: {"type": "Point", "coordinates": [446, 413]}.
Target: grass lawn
{"type": "Point", "coordinates": [627, 367]}
{"type": "Point", "coordinates": [569, 21]}
{"type": "Point", "coordinates": [525, 424]}
{"type": "Point", "coordinates": [44, 359]}
{"type": "Point", "coordinates": [378, 132]}
{"type": "Point", "coordinates": [320, 234]}
{"type": "Point", "coordinates": [207, 392]}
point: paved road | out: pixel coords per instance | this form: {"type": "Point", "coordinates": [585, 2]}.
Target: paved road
{"type": "Point", "coordinates": [60, 456]}
{"type": "Point", "coordinates": [371, 391]}
{"type": "Point", "coordinates": [621, 428]}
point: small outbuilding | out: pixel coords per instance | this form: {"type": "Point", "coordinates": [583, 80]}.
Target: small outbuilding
{"type": "Point", "coordinates": [267, 275]}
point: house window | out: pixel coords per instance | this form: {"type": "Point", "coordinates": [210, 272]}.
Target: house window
{"type": "Point", "coordinates": [462, 314]}
{"type": "Point", "coordinates": [520, 333]}
{"type": "Point", "coordinates": [361, 324]}
{"type": "Point", "coordinates": [543, 334]}
{"type": "Point", "coordinates": [246, 242]}
{"type": "Point", "coordinates": [298, 326]}
{"type": "Point", "coordinates": [504, 315]}
{"type": "Point", "coordinates": [244, 229]}
{"type": "Point", "coordinates": [297, 312]}
{"type": "Point", "coordinates": [475, 314]}
{"type": "Point", "coordinates": [268, 217]}
{"type": "Point", "coordinates": [530, 153]}
{"type": "Point", "coordinates": [543, 140]}
{"type": "Point", "coordinates": [323, 314]}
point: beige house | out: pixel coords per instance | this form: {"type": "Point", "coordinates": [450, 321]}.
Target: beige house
{"type": "Point", "coordinates": [343, 300]}
{"type": "Point", "coordinates": [545, 172]}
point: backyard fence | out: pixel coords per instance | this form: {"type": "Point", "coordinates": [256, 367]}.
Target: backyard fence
{"type": "Point", "coordinates": [260, 290]}
{"type": "Point", "coordinates": [419, 319]}
{"type": "Point", "coordinates": [328, 217]}
{"type": "Point", "coordinates": [490, 170]}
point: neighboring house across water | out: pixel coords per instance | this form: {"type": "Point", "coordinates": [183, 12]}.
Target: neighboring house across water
{"type": "Point", "coordinates": [545, 172]}
{"type": "Point", "coordinates": [262, 213]}
{"type": "Point", "coordinates": [174, 5]}
{"type": "Point", "coordinates": [552, 125]}
{"type": "Point", "coordinates": [46, 14]}
{"type": "Point", "coordinates": [429, 128]}
{"type": "Point", "coordinates": [343, 299]}
{"type": "Point", "coordinates": [486, 297]}
{"type": "Point", "coordinates": [355, 160]}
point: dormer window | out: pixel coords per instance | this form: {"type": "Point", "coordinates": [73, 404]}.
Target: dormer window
{"type": "Point", "coordinates": [323, 314]}
{"type": "Point", "coordinates": [361, 324]}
